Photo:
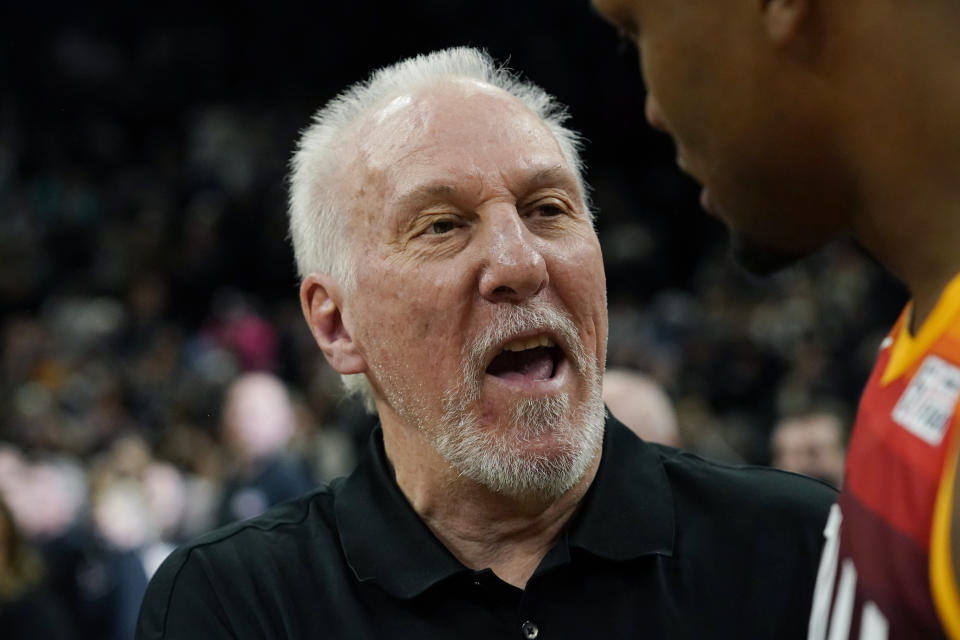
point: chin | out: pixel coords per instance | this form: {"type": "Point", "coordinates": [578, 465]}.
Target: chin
{"type": "Point", "coordinates": [539, 451]}
{"type": "Point", "coordinates": [760, 259]}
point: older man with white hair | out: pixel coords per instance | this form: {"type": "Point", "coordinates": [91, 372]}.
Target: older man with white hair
{"type": "Point", "coordinates": [451, 272]}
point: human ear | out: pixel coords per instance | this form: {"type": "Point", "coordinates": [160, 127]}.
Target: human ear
{"type": "Point", "coordinates": [784, 19]}
{"type": "Point", "coordinates": [321, 301]}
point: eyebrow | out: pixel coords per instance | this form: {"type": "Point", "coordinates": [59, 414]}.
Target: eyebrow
{"type": "Point", "coordinates": [430, 192]}
{"type": "Point", "coordinates": [557, 174]}
{"type": "Point", "coordinates": [425, 192]}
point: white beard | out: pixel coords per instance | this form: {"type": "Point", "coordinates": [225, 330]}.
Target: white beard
{"type": "Point", "coordinates": [499, 456]}
{"type": "Point", "coordinates": [498, 459]}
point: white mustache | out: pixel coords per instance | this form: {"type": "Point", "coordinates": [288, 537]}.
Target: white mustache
{"type": "Point", "coordinates": [512, 321]}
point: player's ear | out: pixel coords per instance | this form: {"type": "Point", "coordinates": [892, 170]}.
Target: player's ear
{"type": "Point", "coordinates": [784, 20]}
{"type": "Point", "coordinates": [322, 302]}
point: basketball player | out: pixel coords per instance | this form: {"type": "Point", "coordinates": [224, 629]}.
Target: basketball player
{"type": "Point", "coordinates": [805, 119]}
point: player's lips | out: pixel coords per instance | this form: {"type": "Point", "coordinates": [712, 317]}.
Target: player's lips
{"type": "Point", "coordinates": [706, 202]}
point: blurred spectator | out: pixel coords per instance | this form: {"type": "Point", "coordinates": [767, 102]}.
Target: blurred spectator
{"type": "Point", "coordinates": [812, 443]}
{"type": "Point", "coordinates": [237, 328]}
{"type": "Point", "coordinates": [94, 559]}
{"type": "Point", "coordinates": [640, 403]}
{"type": "Point", "coordinates": [194, 452]}
{"type": "Point", "coordinates": [28, 609]}
{"type": "Point", "coordinates": [258, 425]}
{"type": "Point", "coordinates": [113, 575]}
{"type": "Point", "coordinates": [47, 497]}
{"type": "Point", "coordinates": [328, 451]}
{"type": "Point", "coordinates": [165, 490]}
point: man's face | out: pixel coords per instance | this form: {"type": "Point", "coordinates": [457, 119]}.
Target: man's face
{"type": "Point", "coordinates": [811, 445]}
{"type": "Point", "coordinates": [736, 108]}
{"type": "Point", "coordinates": [480, 305]}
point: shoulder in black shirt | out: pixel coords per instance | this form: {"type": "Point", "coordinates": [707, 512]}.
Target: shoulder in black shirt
{"type": "Point", "coordinates": [664, 545]}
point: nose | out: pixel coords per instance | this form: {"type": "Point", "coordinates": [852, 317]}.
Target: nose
{"type": "Point", "coordinates": [515, 268]}
{"type": "Point", "coordinates": [652, 112]}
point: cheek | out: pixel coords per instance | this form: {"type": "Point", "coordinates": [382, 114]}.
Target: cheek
{"type": "Point", "coordinates": [408, 313]}
{"type": "Point", "coordinates": [582, 287]}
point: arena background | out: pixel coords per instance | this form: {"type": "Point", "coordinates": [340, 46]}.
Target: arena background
{"type": "Point", "coordinates": [144, 261]}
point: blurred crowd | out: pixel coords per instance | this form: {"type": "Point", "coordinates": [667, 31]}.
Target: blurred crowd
{"type": "Point", "coordinates": [109, 457]}
{"type": "Point", "coordinates": [157, 380]}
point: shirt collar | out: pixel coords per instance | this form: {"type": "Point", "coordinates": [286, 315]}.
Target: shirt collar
{"type": "Point", "coordinates": [383, 538]}
{"type": "Point", "coordinates": [627, 513]}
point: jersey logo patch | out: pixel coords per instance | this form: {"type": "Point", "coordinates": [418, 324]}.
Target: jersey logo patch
{"type": "Point", "coordinates": [926, 406]}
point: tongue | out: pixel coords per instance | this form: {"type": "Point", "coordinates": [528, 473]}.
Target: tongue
{"type": "Point", "coordinates": [532, 364]}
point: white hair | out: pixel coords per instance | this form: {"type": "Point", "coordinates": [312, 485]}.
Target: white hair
{"type": "Point", "coordinates": [317, 210]}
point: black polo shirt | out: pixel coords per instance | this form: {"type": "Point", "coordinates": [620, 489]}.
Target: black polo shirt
{"type": "Point", "coordinates": [664, 545]}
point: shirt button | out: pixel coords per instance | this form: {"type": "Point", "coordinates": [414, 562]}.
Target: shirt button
{"type": "Point", "coordinates": [530, 630]}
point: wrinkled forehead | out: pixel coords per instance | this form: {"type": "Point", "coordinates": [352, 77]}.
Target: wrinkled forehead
{"type": "Point", "coordinates": [454, 130]}
{"type": "Point", "coordinates": [443, 112]}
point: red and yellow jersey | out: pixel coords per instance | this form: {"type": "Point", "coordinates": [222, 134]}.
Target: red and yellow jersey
{"type": "Point", "coordinates": [887, 567]}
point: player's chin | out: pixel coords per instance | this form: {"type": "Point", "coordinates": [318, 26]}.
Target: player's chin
{"type": "Point", "coordinates": [758, 258]}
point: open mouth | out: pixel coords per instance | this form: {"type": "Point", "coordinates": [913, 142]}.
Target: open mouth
{"type": "Point", "coordinates": [527, 359]}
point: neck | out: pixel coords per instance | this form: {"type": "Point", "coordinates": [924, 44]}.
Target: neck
{"type": "Point", "coordinates": [917, 236]}
{"type": "Point", "coordinates": [901, 98]}
{"type": "Point", "coordinates": [483, 529]}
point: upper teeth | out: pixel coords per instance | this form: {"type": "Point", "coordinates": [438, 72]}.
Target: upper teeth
{"type": "Point", "coordinates": [523, 344]}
